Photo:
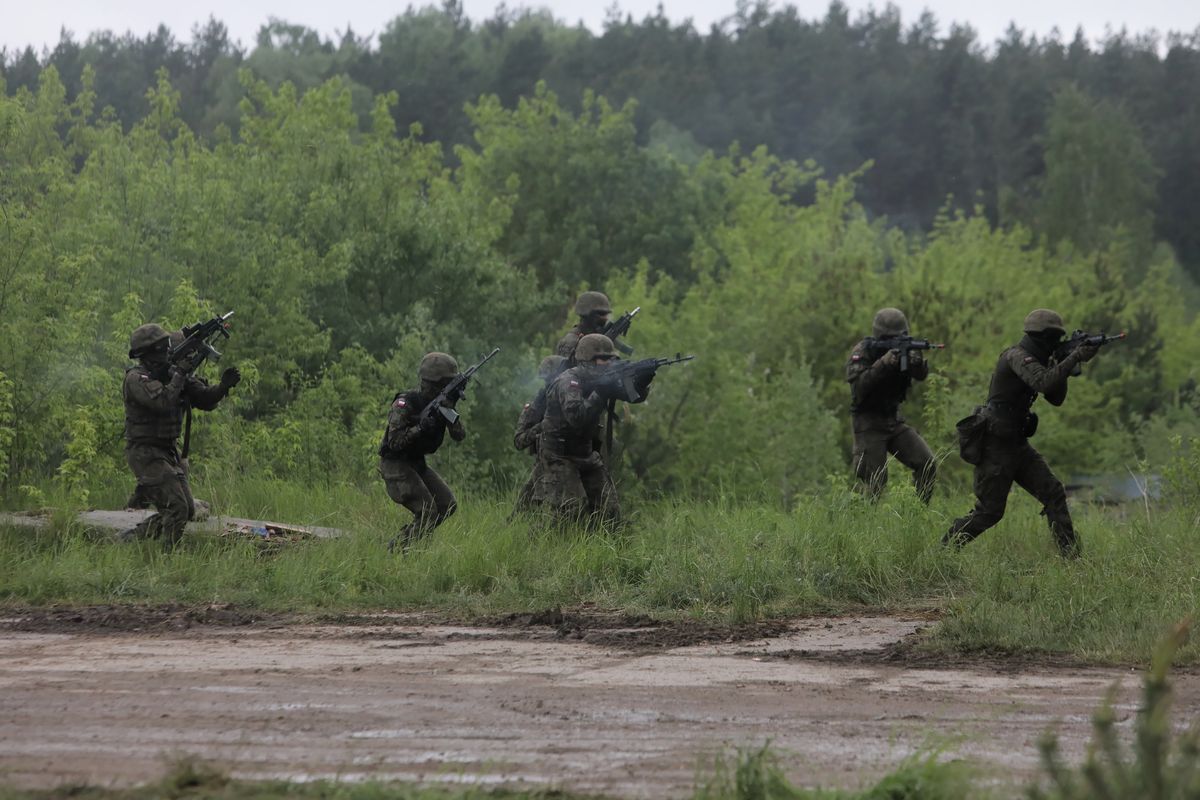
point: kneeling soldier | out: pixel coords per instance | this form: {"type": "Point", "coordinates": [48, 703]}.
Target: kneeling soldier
{"type": "Point", "coordinates": [157, 394]}
{"type": "Point", "coordinates": [878, 386]}
{"type": "Point", "coordinates": [1023, 371]}
{"type": "Point", "coordinates": [409, 438]}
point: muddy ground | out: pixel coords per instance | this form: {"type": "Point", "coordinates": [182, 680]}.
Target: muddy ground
{"type": "Point", "coordinates": [584, 700]}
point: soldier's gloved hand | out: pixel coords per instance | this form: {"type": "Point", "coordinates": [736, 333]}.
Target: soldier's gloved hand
{"type": "Point", "coordinates": [188, 363]}
{"type": "Point", "coordinates": [916, 357]}
{"type": "Point", "coordinates": [430, 422]}
{"type": "Point", "coordinates": [231, 377]}
{"type": "Point", "coordinates": [1086, 352]}
{"type": "Point", "coordinates": [890, 359]}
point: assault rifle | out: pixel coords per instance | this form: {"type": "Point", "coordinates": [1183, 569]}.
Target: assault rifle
{"type": "Point", "coordinates": [904, 344]}
{"type": "Point", "coordinates": [621, 378]}
{"type": "Point", "coordinates": [195, 345]}
{"type": "Point", "coordinates": [1083, 339]}
{"type": "Point", "coordinates": [619, 327]}
{"type": "Point", "coordinates": [453, 392]}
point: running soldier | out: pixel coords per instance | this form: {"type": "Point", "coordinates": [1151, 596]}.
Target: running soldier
{"type": "Point", "coordinates": [410, 437]}
{"type": "Point", "coordinates": [1024, 370]}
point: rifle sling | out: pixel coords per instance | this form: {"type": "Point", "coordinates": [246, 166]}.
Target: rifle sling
{"type": "Point", "coordinates": [187, 430]}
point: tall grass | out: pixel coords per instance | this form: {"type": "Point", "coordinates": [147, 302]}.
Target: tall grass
{"type": "Point", "coordinates": [1006, 591]}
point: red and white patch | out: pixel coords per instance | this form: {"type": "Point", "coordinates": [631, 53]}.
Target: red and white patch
{"type": "Point", "coordinates": [856, 357]}
{"type": "Point", "coordinates": [575, 384]}
{"type": "Point", "coordinates": [1029, 358]}
{"type": "Point", "coordinates": [400, 402]}
{"type": "Point", "coordinates": [527, 405]}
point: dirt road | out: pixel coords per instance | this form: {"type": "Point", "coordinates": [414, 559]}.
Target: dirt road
{"type": "Point", "coordinates": [606, 709]}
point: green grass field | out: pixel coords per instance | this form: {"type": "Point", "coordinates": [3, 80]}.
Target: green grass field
{"type": "Point", "coordinates": [1007, 592]}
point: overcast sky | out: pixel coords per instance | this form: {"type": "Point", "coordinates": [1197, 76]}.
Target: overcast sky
{"type": "Point", "coordinates": [38, 23]}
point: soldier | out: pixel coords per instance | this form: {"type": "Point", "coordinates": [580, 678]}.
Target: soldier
{"type": "Point", "coordinates": [877, 388]}
{"type": "Point", "coordinates": [1023, 371]}
{"type": "Point", "coordinates": [141, 497]}
{"type": "Point", "coordinates": [529, 426]}
{"type": "Point", "coordinates": [409, 438]}
{"type": "Point", "coordinates": [594, 312]}
{"type": "Point", "coordinates": [157, 393]}
{"type": "Point", "coordinates": [576, 480]}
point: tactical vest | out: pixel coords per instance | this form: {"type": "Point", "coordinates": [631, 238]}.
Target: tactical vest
{"type": "Point", "coordinates": [425, 443]}
{"type": "Point", "coordinates": [144, 424]}
{"type": "Point", "coordinates": [889, 392]}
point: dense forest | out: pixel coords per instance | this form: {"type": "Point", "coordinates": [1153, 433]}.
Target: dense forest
{"type": "Point", "coordinates": [940, 115]}
{"type": "Point", "coordinates": [452, 186]}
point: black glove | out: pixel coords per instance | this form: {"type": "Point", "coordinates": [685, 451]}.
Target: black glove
{"type": "Point", "coordinates": [188, 363]}
{"type": "Point", "coordinates": [430, 422]}
{"type": "Point", "coordinates": [231, 377]}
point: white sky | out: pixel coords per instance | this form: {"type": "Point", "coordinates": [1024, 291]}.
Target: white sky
{"type": "Point", "coordinates": [38, 23]}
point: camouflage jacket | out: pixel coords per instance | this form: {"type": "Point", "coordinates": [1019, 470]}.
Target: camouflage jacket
{"type": "Point", "coordinates": [404, 437]}
{"type": "Point", "coordinates": [573, 414]}
{"type": "Point", "coordinates": [877, 388]}
{"type": "Point", "coordinates": [1021, 375]}
{"type": "Point", "coordinates": [529, 424]}
{"type": "Point", "coordinates": [154, 410]}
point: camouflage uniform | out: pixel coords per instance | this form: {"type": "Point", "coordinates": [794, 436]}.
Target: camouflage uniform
{"type": "Point", "coordinates": [575, 480]}
{"type": "Point", "coordinates": [154, 412]}
{"type": "Point", "coordinates": [406, 442]}
{"type": "Point", "coordinates": [1022, 372]}
{"type": "Point", "coordinates": [877, 388]}
{"type": "Point", "coordinates": [529, 427]}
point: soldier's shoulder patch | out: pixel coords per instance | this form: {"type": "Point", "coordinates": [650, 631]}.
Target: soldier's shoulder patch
{"type": "Point", "coordinates": [1029, 359]}
{"type": "Point", "coordinates": [574, 383]}
{"type": "Point", "coordinates": [527, 405]}
{"type": "Point", "coordinates": [400, 403]}
{"type": "Point", "coordinates": [856, 357]}
{"type": "Point", "coordinates": [143, 376]}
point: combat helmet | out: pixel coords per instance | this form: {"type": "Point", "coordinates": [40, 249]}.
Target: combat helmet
{"type": "Point", "coordinates": [1043, 319]}
{"type": "Point", "coordinates": [592, 303]}
{"type": "Point", "coordinates": [551, 366]}
{"type": "Point", "coordinates": [592, 345]}
{"type": "Point", "coordinates": [889, 322]}
{"type": "Point", "coordinates": [144, 337]}
{"type": "Point", "coordinates": [437, 367]}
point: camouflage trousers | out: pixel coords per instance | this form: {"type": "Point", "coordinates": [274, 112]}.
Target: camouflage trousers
{"type": "Point", "coordinates": [1009, 460]}
{"type": "Point", "coordinates": [577, 489]}
{"type": "Point", "coordinates": [416, 486]}
{"type": "Point", "coordinates": [162, 482]}
{"type": "Point", "coordinates": [877, 435]}
{"type": "Point", "coordinates": [530, 495]}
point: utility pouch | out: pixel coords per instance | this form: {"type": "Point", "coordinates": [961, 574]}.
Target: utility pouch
{"type": "Point", "coordinates": [971, 431]}
{"type": "Point", "coordinates": [1031, 425]}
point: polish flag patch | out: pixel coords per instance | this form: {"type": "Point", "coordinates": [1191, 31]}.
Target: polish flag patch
{"type": "Point", "coordinates": [400, 402]}
{"type": "Point", "coordinates": [575, 383]}
{"type": "Point", "coordinates": [856, 357]}
{"type": "Point", "coordinates": [527, 405]}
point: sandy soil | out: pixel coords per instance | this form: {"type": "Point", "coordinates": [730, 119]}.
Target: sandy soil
{"type": "Point", "coordinates": [589, 702]}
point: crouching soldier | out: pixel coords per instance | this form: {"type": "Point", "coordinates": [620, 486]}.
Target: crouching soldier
{"type": "Point", "coordinates": [412, 434]}
{"type": "Point", "coordinates": [1024, 371]}
{"type": "Point", "coordinates": [157, 395]}
{"type": "Point", "coordinates": [879, 384]}
{"type": "Point", "coordinates": [529, 428]}
{"type": "Point", "coordinates": [575, 479]}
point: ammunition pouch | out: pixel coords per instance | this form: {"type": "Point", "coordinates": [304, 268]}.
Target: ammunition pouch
{"type": "Point", "coordinates": [1031, 425]}
{"type": "Point", "coordinates": [971, 433]}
